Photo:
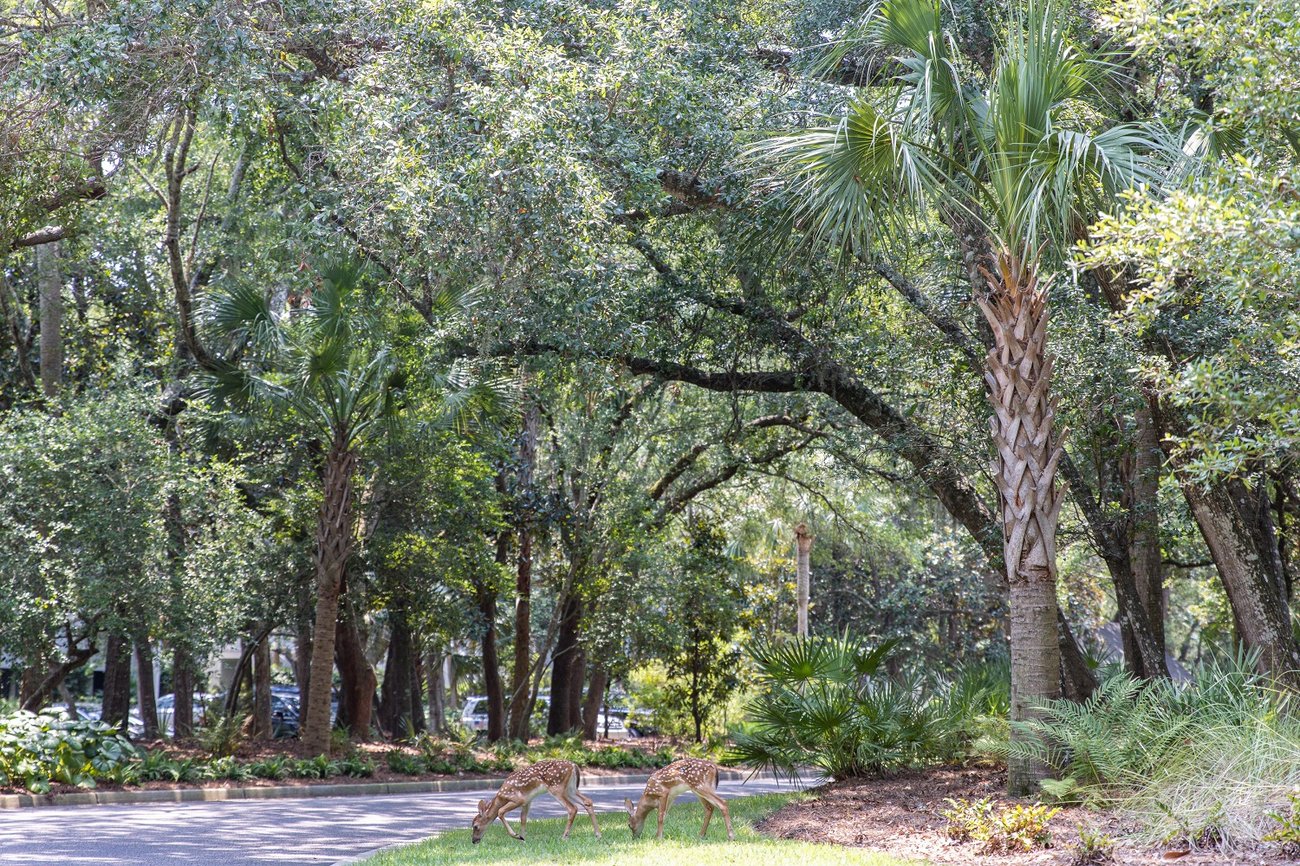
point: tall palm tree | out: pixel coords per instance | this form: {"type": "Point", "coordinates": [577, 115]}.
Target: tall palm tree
{"type": "Point", "coordinates": [325, 363]}
{"type": "Point", "coordinates": [1008, 161]}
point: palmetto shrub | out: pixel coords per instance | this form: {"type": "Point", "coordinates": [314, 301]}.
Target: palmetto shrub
{"type": "Point", "coordinates": [827, 703]}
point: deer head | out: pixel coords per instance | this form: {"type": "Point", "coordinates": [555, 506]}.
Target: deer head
{"type": "Point", "coordinates": [482, 821]}
{"type": "Point", "coordinates": [636, 815]}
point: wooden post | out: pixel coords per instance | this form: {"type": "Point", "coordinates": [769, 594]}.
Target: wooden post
{"type": "Point", "coordinates": [803, 541]}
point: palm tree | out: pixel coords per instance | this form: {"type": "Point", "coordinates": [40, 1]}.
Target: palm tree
{"type": "Point", "coordinates": [325, 363]}
{"type": "Point", "coordinates": [1009, 158]}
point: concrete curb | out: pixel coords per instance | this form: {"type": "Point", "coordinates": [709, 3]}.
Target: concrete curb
{"type": "Point", "coordinates": [297, 792]}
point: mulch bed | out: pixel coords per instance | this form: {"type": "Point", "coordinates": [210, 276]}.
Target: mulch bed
{"type": "Point", "coordinates": [900, 816]}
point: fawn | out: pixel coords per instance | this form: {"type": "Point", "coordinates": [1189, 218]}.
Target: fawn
{"type": "Point", "coordinates": [663, 786]}
{"type": "Point", "coordinates": [521, 787]}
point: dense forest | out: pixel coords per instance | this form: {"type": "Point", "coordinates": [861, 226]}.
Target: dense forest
{"type": "Point", "coordinates": [524, 346]}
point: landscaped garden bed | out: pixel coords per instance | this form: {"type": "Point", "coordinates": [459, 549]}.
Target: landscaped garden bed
{"type": "Point", "coordinates": [51, 755]}
{"type": "Point", "coordinates": [903, 816]}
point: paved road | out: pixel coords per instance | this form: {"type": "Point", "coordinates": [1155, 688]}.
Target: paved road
{"type": "Point", "coordinates": [261, 832]}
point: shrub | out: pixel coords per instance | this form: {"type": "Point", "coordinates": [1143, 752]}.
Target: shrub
{"type": "Point", "coordinates": [229, 769]}
{"type": "Point", "coordinates": [223, 735]}
{"type": "Point", "coordinates": [356, 766]}
{"type": "Point", "coordinates": [1093, 849]}
{"type": "Point", "coordinates": [37, 750]}
{"type": "Point", "coordinates": [276, 767]}
{"type": "Point", "coordinates": [401, 762]}
{"type": "Point", "coordinates": [319, 767]}
{"type": "Point", "coordinates": [1204, 763]}
{"type": "Point", "coordinates": [827, 703]}
{"type": "Point", "coordinates": [1016, 828]}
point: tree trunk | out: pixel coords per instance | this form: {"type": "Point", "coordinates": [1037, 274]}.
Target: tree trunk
{"type": "Point", "coordinates": [803, 542]}
{"type": "Point", "coordinates": [50, 279]}
{"type": "Point", "coordinates": [519, 709]}
{"type": "Point", "coordinates": [1144, 543]}
{"type": "Point", "coordinates": [357, 677]}
{"type": "Point", "coordinates": [433, 668]}
{"type": "Point", "coordinates": [116, 705]}
{"type": "Point", "coordinates": [395, 708]}
{"type": "Point", "coordinates": [492, 686]}
{"type": "Point", "coordinates": [1245, 553]}
{"type": "Point", "coordinates": [1024, 468]}
{"type": "Point", "coordinates": [415, 677]}
{"type": "Point", "coordinates": [182, 694]}
{"type": "Point", "coordinates": [145, 686]}
{"type": "Point", "coordinates": [302, 659]}
{"type": "Point", "coordinates": [1078, 681]}
{"type": "Point", "coordinates": [262, 722]}
{"type": "Point", "coordinates": [333, 548]}
{"type": "Point", "coordinates": [595, 698]}
{"type": "Point", "coordinates": [559, 720]}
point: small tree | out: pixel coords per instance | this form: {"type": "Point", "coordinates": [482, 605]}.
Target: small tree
{"type": "Point", "coordinates": [702, 615]}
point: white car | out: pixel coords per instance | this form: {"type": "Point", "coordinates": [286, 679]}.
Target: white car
{"type": "Point", "coordinates": [474, 716]}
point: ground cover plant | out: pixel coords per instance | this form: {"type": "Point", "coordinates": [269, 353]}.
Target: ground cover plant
{"type": "Point", "coordinates": [681, 845]}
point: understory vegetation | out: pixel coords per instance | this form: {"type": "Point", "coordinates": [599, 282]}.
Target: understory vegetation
{"type": "Point", "coordinates": [832, 704]}
{"type": "Point", "coordinates": [1212, 761]}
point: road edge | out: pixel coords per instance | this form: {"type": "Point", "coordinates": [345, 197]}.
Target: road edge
{"type": "Point", "coordinates": [299, 792]}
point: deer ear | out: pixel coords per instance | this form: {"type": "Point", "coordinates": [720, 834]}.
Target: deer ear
{"type": "Point", "coordinates": [482, 806]}
{"type": "Point", "coordinates": [627, 804]}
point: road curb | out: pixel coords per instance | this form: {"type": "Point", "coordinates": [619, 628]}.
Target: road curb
{"type": "Point", "coordinates": [296, 792]}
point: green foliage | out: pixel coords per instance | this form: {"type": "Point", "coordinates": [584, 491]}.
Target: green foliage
{"type": "Point", "coordinates": [828, 703]}
{"type": "Point", "coordinates": [275, 767]}
{"type": "Point", "coordinates": [1010, 830]}
{"type": "Point", "coordinates": [223, 734]}
{"type": "Point", "coordinates": [36, 750]}
{"type": "Point", "coordinates": [1094, 848]}
{"type": "Point", "coordinates": [1287, 831]}
{"type": "Point", "coordinates": [319, 767]}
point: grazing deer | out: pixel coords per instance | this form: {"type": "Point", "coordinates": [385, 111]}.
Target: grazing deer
{"type": "Point", "coordinates": [522, 787]}
{"type": "Point", "coordinates": [663, 786]}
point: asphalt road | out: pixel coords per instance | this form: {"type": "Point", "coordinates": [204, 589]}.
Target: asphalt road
{"type": "Point", "coordinates": [260, 832]}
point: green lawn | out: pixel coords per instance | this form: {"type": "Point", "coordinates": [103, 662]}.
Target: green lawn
{"type": "Point", "coordinates": [681, 845]}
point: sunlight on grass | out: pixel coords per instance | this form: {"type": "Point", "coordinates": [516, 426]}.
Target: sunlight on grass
{"type": "Point", "coordinates": [681, 845]}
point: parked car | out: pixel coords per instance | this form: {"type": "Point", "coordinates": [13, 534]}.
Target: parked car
{"type": "Point", "coordinates": [167, 711]}
{"type": "Point", "coordinates": [473, 715]}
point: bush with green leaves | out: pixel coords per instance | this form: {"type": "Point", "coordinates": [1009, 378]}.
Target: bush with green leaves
{"type": "Point", "coordinates": [828, 703]}
{"type": "Point", "coordinates": [1013, 829]}
{"type": "Point", "coordinates": [37, 750]}
{"type": "Point", "coordinates": [1205, 762]}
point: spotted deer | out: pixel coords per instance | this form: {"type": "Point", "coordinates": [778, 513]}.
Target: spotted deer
{"type": "Point", "coordinates": [663, 786]}
{"type": "Point", "coordinates": [523, 786]}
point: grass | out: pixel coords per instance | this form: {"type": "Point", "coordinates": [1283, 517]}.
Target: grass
{"type": "Point", "coordinates": [681, 845]}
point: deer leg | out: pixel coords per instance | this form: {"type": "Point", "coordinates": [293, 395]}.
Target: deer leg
{"type": "Point", "coordinates": [562, 795]}
{"type": "Point", "coordinates": [708, 815]}
{"type": "Point", "coordinates": [720, 803]}
{"type": "Point", "coordinates": [506, 824]}
{"type": "Point", "coordinates": [663, 810]}
{"type": "Point", "coordinates": [523, 819]}
{"type": "Point", "coordinates": [591, 812]}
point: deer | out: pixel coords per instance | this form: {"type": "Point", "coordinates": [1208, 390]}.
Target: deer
{"type": "Point", "coordinates": [525, 785]}
{"type": "Point", "coordinates": [663, 786]}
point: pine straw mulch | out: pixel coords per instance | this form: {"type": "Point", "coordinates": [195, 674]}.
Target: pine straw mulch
{"type": "Point", "coordinates": [900, 816]}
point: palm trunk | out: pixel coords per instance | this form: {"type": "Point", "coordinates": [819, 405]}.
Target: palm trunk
{"type": "Point", "coordinates": [1024, 468]}
{"type": "Point", "coordinates": [396, 712]}
{"type": "Point", "coordinates": [333, 548]}
{"type": "Point", "coordinates": [357, 677]}
{"type": "Point", "coordinates": [803, 543]}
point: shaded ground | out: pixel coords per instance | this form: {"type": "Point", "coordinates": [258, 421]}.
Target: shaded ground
{"type": "Point", "coordinates": [901, 816]}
